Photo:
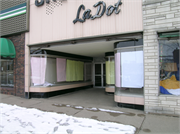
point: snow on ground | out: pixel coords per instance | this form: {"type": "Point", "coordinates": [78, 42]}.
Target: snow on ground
{"type": "Point", "coordinates": [19, 120]}
{"type": "Point", "coordinates": [90, 109]}
{"type": "Point", "coordinates": [106, 110]}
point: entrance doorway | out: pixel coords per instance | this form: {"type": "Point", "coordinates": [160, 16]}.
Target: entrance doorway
{"type": "Point", "coordinates": [100, 75]}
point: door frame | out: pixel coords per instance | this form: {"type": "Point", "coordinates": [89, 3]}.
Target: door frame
{"type": "Point", "coordinates": [102, 78]}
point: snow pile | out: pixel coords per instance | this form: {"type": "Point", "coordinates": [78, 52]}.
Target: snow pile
{"type": "Point", "coordinates": [15, 119]}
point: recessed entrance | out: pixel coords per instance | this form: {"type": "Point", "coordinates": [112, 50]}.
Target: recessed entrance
{"type": "Point", "coordinates": [100, 75]}
{"type": "Point", "coordinates": [82, 65]}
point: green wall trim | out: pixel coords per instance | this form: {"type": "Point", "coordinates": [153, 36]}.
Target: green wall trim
{"type": "Point", "coordinates": [13, 15]}
{"type": "Point", "coordinates": [12, 8]}
{"type": "Point", "coordinates": [13, 11]}
{"type": "Point", "coordinates": [169, 35]}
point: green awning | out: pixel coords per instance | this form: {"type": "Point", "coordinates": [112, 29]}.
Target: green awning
{"type": "Point", "coordinates": [7, 49]}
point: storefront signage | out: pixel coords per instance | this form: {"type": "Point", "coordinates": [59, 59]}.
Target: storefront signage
{"type": "Point", "coordinates": [87, 13]}
{"type": "Point", "coordinates": [37, 3]}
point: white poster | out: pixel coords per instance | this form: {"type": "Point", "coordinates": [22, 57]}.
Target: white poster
{"type": "Point", "coordinates": [132, 70]}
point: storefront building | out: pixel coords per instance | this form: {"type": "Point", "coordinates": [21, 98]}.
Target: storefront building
{"type": "Point", "coordinates": [13, 25]}
{"type": "Point", "coordinates": [129, 48]}
{"type": "Point", "coordinates": [121, 46]}
{"type": "Point", "coordinates": [161, 24]}
{"type": "Point", "coordinates": [80, 43]}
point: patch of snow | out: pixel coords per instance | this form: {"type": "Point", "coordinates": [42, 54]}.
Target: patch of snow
{"type": "Point", "coordinates": [68, 105]}
{"type": "Point", "coordinates": [93, 109]}
{"type": "Point", "coordinates": [79, 107]}
{"type": "Point", "coordinates": [15, 119]}
{"type": "Point", "coordinates": [111, 111]}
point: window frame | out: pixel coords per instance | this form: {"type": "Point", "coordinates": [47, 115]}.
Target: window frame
{"type": "Point", "coordinates": [8, 60]}
{"type": "Point", "coordinates": [164, 38]}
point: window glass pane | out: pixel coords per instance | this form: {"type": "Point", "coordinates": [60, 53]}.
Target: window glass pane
{"type": "Point", "coordinates": [98, 81]}
{"type": "Point", "coordinates": [74, 70]}
{"type": "Point", "coordinates": [88, 73]}
{"type": "Point", "coordinates": [61, 69]}
{"type": "Point", "coordinates": [7, 73]}
{"type": "Point", "coordinates": [132, 74]}
{"type": "Point", "coordinates": [104, 69]}
{"type": "Point", "coordinates": [51, 71]}
{"type": "Point", "coordinates": [3, 73]}
{"type": "Point", "coordinates": [169, 66]}
{"type": "Point", "coordinates": [104, 80]}
{"type": "Point", "coordinates": [97, 69]}
{"type": "Point", "coordinates": [129, 68]}
{"type": "Point", "coordinates": [38, 70]}
{"type": "Point", "coordinates": [10, 73]}
{"type": "Point", "coordinates": [110, 71]}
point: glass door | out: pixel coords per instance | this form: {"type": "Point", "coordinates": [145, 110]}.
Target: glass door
{"type": "Point", "coordinates": [100, 75]}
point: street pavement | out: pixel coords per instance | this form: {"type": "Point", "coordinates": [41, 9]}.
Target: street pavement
{"type": "Point", "coordinates": [76, 106]}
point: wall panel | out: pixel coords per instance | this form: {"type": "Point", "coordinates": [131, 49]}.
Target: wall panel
{"type": "Point", "coordinates": [59, 25]}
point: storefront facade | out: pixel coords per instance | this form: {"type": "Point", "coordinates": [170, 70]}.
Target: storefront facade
{"type": "Point", "coordinates": [129, 48]}
{"type": "Point", "coordinates": [14, 24]}
{"type": "Point", "coordinates": [161, 56]}
{"type": "Point", "coordinates": [84, 31]}
{"type": "Point", "coordinates": [124, 35]}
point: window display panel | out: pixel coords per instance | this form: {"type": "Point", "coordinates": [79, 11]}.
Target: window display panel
{"type": "Point", "coordinates": [118, 69]}
{"type": "Point", "coordinates": [129, 72]}
{"type": "Point", "coordinates": [7, 74]}
{"type": "Point", "coordinates": [70, 70]}
{"type": "Point", "coordinates": [169, 66]}
{"type": "Point", "coordinates": [53, 71]}
{"type": "Point", "coordinates": [132, 69]}
{"type": "Point", "coordinates": [79, 71]}
{"type": "Point", "coordinates": [129, 68]}
{"type": "Point", "coordinates": [61, 69]}
{"type": "Point", "coordinates": [110, 78]}
{"type": "Point", "coordinates": [38, 70]}
{"type": "Point", "coordinates": [74, 70]}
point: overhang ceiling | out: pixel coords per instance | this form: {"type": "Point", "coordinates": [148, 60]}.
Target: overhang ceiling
{"type": "Point", "coordinates": [93, 49]}
{"type": "Point", "coordinates": [96, 47]}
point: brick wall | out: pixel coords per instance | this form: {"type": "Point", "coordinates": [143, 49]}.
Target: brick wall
{"type": "Point", "coordinates": [158, 15]}
{"type": "Point", "coordinates": [18, 90]}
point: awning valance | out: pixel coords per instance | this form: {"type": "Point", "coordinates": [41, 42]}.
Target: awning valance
{"type": "Point", "coordinates": [168, 35]}
{"type": "Point", "coordinates": [7, 49]}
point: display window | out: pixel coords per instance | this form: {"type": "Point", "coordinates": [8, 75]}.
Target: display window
{"type": "Point", "coordinates": [51, 71]}
{"type": "Point", "coordinates": [7, 73]}
{"type": "Point", "coordinates": [129, 72]}
{"type": "Point", "coordinates": [110, 79]}
{"type": "Point", "coordinates": [169, 82]}
{"type": "Point", "coordinates": [129, 67]}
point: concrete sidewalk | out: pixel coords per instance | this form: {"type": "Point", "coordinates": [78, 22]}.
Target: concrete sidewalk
{"type": "Point", "coordinates": [144, 123]}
